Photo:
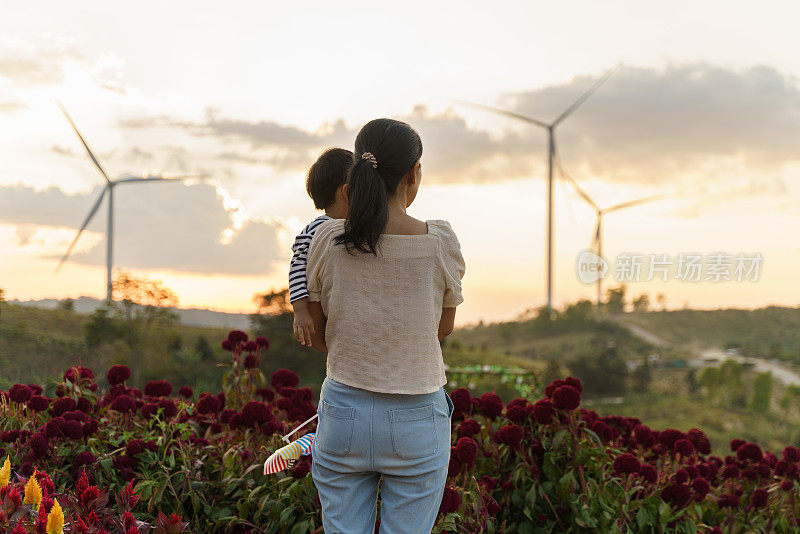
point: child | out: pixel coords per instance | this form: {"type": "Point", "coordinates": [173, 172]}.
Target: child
{"type": "Point", "coordinates": [324, 184]}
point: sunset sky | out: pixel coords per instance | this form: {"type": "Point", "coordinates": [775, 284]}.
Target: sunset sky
{"type": "Point", "coordinates": [704, 108]}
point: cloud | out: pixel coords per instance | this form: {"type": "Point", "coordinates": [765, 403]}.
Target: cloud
{"type": "Point", "coordinates": [645, 124]}
{"type": "Point", "coordinates": [157, 226]}
{"type": "Point", "coordinates": [11, 106]}
{"type": "Point", "coordinates": [654, 126]}
{"type": "Point", "coordinates": [39, 64]}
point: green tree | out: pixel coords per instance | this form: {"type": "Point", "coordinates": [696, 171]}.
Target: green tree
{"type": "Point", "coordinates": [203, 348]}
{"type": "Point", "coordinates": [762, 392]}
{"type": "Point", "coordinates": [615, 299]}
{"type": "Point", "coordinates": [641, 303]}
{"type": "Point", "coordinates": [642, 375]}
{"type": "Point", "coordinates": [66, 304]}
{"type": "Point", "coordinates": [602, 375]}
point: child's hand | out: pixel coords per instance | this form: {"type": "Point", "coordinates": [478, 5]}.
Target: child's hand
{"type": "Point", "coordinates": [303, 327]}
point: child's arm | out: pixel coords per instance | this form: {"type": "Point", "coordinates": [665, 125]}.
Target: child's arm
{"type": "Point", "coordinates": [303, 323]}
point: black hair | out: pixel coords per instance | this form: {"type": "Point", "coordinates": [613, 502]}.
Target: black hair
{"type": "Point", "coordinates": [328, 174]}
{"type": "Point", "coordinates": [396, 148]}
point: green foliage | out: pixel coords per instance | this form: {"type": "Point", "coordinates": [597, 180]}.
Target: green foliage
{"type": "Point", "coordinates": [762, 392]}
{"type": "Point", "coordinates": [603, 375]}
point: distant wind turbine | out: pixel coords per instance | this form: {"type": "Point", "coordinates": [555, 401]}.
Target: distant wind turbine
{"type": "Point", "coordinates": [551, 152]}
{"type": "Point", "coordinates": [108, 189]}
{"type": "Point", "coordinates": [597, 237]}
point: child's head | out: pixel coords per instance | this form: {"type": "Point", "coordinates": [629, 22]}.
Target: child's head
{"type": "Point", "coordinates": [326, 177]}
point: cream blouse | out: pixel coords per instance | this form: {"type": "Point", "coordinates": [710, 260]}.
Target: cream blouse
{"type": "Point", "coordinates": [383, 312]}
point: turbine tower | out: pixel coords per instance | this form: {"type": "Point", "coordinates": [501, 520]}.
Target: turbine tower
{"type": "Point", "coordinates": [551, 152]}
{"type": "Point", "coordinates": [108, 190]}
{"type": "Point", "coordinates": [597, 237]}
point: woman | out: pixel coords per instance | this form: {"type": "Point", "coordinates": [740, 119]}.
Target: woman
{"type": "Point", "coordinates": [383, 289]}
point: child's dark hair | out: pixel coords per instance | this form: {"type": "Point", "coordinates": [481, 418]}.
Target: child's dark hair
{"type": "Point", "coordinates": [326, 175]}
{"type": "Point", "coordinates": [386, 150]}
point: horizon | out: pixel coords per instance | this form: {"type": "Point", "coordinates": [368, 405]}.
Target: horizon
{"type": "Point", "coordinates": [696, 115]}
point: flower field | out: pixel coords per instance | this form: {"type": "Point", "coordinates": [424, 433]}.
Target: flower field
{"type": "Point", "coordinates": [104, 457]}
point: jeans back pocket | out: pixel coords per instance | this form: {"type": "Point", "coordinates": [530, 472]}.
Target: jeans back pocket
{"type": "Point", "coordinates": [413, 432]}
{"type": "Point", "coordinates": [335, 428]}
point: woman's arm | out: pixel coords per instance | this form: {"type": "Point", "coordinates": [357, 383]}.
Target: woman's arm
{"type": "Point", "coordinates": [447, 322]}
{"type": "Point", "coordinates": [318, 337]}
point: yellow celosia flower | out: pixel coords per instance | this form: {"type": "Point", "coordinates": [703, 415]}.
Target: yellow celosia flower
{"type": "Point", "coordinates": [55, 519]}
{"type": "Point", "coordinates": [5, 473]}
{"type": "Point", "coordinates": [33, 492]}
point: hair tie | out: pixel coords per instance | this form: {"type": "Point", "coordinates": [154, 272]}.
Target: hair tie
{"type": "Point", "coordinates": [371, 158]}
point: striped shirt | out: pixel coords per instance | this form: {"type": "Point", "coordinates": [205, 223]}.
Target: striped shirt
{"type": "Point", "coordinates": [297, 267]}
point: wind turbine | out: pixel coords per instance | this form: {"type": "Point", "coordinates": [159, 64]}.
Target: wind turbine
{"type": "Point", "coordinates": [551, 151]}
{"type": "Point", "coordinates": [597, 237]}
{"type": "Point", "coordinates": [108, 190]}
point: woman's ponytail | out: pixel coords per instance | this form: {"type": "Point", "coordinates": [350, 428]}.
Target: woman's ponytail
{"type": "Point", "coordinates": [386, 150]}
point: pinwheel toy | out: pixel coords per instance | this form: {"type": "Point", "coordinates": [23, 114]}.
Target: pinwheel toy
{"type": "Point", "coordinates": [283, 457]}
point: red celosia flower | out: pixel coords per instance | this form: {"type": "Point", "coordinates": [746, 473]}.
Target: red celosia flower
{"type": "Point", "coordinates": [284, 377]}
{"type": "Point", "coordinates": [63, 405]}
{"type": "Point", "coordinates": [759, 498]}
{"type": "Point", "coordinates": [749, 451]}
{"type": "Point", "coordinates": [517, 413]}
{"type": "Point", "coordinates": [490, 483]}
{"type": "Point", "coordinates": [566, 398]}
{"type": "Point", "coordinates": [627, 464]}
{"type": "Point", "coordinates": [454, 468]}
{"type": "Point", "coordinates": [669, 436]}
{"type": "Point", "coordinates": [73, 430]}
{"type": "Point", "coordinates": [466, 451]}
{"type": "Point", "coordinates": [677, 494]}
{"type": "Point", "coordinates": [736, 443]}
{"type": "Point", "coordinates": [684, 447]}
{"type": "Point", "coordinates": [186, 392]}
{"type": "Point", "coordinates": [551, 388]}
{"type": "Point", "coordinates": [648, 473]}
{"type": "Point", "coordinates": [134, 447]}
{"type": "Point", "coordinates": [643, 435]}
{"type": "Point", "coordinates": [730, 471]}
{"type": "Point", "coordinates": [543, 411]}
{"type": "Point", "coordinates": [790, 454]}
{"type": "Point", "coordinates": [227, 345]}
{"type": "Point", "coordinates": [451, 500]}
{"type": "Point", "coordinates": [699, 440]}
{"type": "Point", "coordinates": [701, 486]}
{"type": "Point", "coordinates": [123, 404]}
{"type": "Point", "coordinates": [793, 471]}
{"type": "Point", "coordinates": [510, 435]}
{"type": "Point", "coordinates": [469, 427]}
{"type": "Point", "coordinates": [237, 336]}
{"type": "Point", "coordinates": [38, 403]}
{"type": "Point", "coordinates": [251, 361]}
{"type": "Point", "coordinates": [574, 382]}
{"type": "Point", "coordinates": [9, 436]}
{"type": "Point", "coordinates": [208, 404]}
{"type": "Point", "coordinates": [681, 476]}
{"type": "Point", "coordinates": [75, 415]}
{"type": "Point", "coordinates": [90, 427]}
{"type": "Point", "coordinates": [89, 495]}
{"type": "Point", "coordinates": [251, 346]}
{"type": "Point", "coordinates": [39, 444]}
{"type": "Point", "coordinates": [262, 342]}
{"type": "Point", "coordinates": [256, 411]}
{"type": "Point", "coordinates": [301, 469]}
{"type": "Point", "coordinates": [168, 408]}
{"type": "Point", "coordinates": [287, 392]}
{"type": "Point", "coordinates": [118, 374]}
{"type": "Point", "coordinates": [226, 415]}
{"type": "Point", "coordinates": [20, 393]}
{"type": "Point", "coordinates": [54, 427]}
{"type": "Point", "coordinates": [83, 458]}
{"type": "Point", "coordinates": [787, 485]}
{"type": "Point", "coordinates": [491, 405]}
{"type": "Point", "coordinates": [158, 388]}
{"type": "Point", "coordinates": [492, 508]}
{"type": "Point", "coordinates": [462, 400]}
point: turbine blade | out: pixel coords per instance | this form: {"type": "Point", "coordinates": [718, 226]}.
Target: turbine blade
{"type": "Point", "coordinates": [83, 227]}
{"type": "Point", "coordinates": [584, 96]}
{"type": "Point", "coordinates": [596, 236]}
{"type": "Point", "coordinates": [505, 113]}
{"type": "Point", "coordinates": [85, 145]}
{"type": "Point", "coordinates": [634, 203]}
{"type": "Point", "coordinates": [571, 180]}
{"type": "Point", "coordinates": [160, 178]}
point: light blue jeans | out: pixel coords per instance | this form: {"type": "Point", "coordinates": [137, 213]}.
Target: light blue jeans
{"type": "Point", "coordinates": [367, 439]}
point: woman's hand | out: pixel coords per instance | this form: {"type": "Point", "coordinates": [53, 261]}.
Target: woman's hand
{"type": "Point", "coordinates": [447, 322]}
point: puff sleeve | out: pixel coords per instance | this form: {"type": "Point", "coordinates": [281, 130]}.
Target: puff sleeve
{"type": "Point", "coordinates": [452, 263]}
{"type": "Point", "coordinates": [317, 257]}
